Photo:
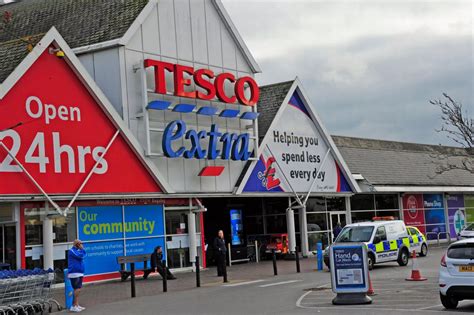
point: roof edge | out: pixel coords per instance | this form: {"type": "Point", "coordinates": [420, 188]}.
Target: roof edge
{"type": "Point", "coordinates": [236, 35]}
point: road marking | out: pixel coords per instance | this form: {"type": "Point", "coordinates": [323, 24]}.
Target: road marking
{"type": "Point", "coordinates": [428, 307]}
{"type": "Point", "coordinates": [242, 283]}
{"type": "Point", "coordinates": [278, 283]}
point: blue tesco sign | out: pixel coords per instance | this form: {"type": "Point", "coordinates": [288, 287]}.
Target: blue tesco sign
{"type": "Point", "coordinates": [349, 272]}
{"type": "Point", "coordinates": [234, 146]}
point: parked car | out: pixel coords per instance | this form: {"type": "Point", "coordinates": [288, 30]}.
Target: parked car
{"type": "Point", "coordinates": [456, 273]}
{"type": "Point", "coordinates": [417, 241]}
{"type": "Point", "coordinates": [279, 243]}
{"type": "Point", "coordinates": [386, 241]}
{"type": "Point", "coordinates": [467, 232]}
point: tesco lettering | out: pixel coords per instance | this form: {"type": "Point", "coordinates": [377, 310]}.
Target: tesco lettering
{"type": "Point", "coordinates": [212, 85]}
{"type": "Point", "coordinates": [37, 152]}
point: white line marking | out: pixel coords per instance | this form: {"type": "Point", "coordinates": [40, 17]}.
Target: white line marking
{"type": "Point", "coordinates": [298, 303]}
{"type": "Point", "coordinates": [428, 307]}
{"type": "Point", "coordinates": [242, 283]}
{"type": "Point", "coordinates": [278, 283]}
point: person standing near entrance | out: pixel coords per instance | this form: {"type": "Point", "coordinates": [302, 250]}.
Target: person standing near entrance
{"type": "Point", "coordinates": [220, 253]}
{"type": "Point", "coordinates": [76, 269]}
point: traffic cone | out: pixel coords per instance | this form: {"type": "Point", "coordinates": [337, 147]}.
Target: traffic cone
{"type": "Point", "coordinates": [371, 291]}
{"type": "Point", "coordinates": [415, 272]}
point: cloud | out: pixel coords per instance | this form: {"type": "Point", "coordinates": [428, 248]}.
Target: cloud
{"type": "Point", "coordinates": [369, 67]}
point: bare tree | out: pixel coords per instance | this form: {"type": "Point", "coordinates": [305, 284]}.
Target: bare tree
{"type": "Point", "coordinates": [457, 125]}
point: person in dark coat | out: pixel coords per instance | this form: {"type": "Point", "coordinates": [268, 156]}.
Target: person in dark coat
{"type": "Point", "coordinates": [158, 266]}
{"type": "Point", "coordinates": [337, 229]}
{"type": "Point", "coordinates": [220, 251]}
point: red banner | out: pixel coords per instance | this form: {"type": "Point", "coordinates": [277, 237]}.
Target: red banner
{"type": "Point", "coordinates": [58, 131]}
{"type": "Point", "coordinates": [413, 212]}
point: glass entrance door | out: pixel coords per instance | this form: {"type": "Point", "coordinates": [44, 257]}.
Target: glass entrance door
{"type": "Point", "coordinates": [337, 222]}
{"type": "Point", "coordinates": [8, 245]}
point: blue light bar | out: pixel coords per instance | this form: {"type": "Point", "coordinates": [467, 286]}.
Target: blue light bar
{"type": "Point", "coordinates": [208, 111]}
{"type": "Point", "coordinates": [184, 108]}
{"type": "Point", "coordinates": [249, 115]}
{"type": "Point", "coordinates": [229, 113]}
{"type": "Point", "coordinates": [158, 105]}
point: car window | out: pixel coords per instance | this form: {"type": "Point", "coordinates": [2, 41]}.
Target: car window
{"type": "Point", "coordinates": [381, 233]}
{"type": "Point", "coordinates": [412, 231]}
{"type": "Point", "coordinates": [355, 234]}
{"type": "Point", "coordinates": [461, 251]}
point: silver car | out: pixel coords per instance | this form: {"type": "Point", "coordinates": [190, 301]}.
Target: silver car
{"type": "Point", "coordinates": [468, 232]}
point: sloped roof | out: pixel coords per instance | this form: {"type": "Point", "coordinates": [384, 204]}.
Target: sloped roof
{"type": "Point", "coordinates": [271, 98]}
{"type": "Point", "coordinates": [392, 163]}
{"type": "Point", "coordinates": [80, 22]}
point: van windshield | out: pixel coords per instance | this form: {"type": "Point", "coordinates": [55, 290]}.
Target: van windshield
{"type": "Point", "coordinates": [355, 234]}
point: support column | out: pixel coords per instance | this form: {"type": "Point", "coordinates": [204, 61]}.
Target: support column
{"type": "Point", "coordinates": [19, 248]}
{"type": "Point", "coordinates": [48, 244]}
{"type": "Point", "coordinates": [290, 226]}
{"type": "Point", "coordinates": [192, 237]}
{"type": "Point", "coordinates": [348, 210]}
{"type": "Point", "coordinates": [304, 231]}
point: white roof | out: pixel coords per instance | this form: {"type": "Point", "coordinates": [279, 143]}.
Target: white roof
{"type": "Point", "coordinates": [374, 223]}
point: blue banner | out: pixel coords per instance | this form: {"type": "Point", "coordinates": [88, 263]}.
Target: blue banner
{"type": "Point", "coordinates": [105, 231]}
{"type": "Point", "coordinates": [236, 226]}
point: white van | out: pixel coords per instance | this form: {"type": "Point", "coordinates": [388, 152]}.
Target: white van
{"type": "Point", "coordinates": [386, 241]}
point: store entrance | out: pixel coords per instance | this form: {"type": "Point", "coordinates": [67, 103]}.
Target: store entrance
{"type": "Point", "coordinates": [335, 218]}
{"type": "Point", "coordinates": [8, 246]}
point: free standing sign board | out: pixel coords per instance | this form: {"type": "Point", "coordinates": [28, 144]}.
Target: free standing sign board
{"type": "Point", "coordinates": [349, 270]}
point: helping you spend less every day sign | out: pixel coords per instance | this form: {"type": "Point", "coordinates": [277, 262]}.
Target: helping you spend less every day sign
{"type": "Point", "coordinates": [109, 232]}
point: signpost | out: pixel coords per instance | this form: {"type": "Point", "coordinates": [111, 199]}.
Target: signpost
{"type": "Point", "coordinates": [349, 273]}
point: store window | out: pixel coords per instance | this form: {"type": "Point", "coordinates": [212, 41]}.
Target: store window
{"type": "Point", "coordinates": [6, 212]}
{"type": "Point", "coordinates": [362, 216]}
{"type": "Point", "coordinates": [176, 222]}
{"type": "Point", "coordinates": [362, 202]}
{"type": "Point", "coordinates": [276, 224]}
{"type": "Point", "coordinates": [317, 222]}
{"type": "Point", "coordinates": [386, 202]}
{"type": "Point", "coordinates": [336, 203]}
{"type": "Point", "coordinates": [316, 204]}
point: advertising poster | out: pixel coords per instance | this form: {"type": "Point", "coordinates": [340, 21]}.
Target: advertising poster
{"type": "Point", "coordinates": [293, 154]}
{"type": "Point", "coordinates": [469, 205]}
{"type": "Point", "coordinates": [456, 214]}
{"type": "Point", "coordinates": [434, 216]}
{"type": "Point", "coordinates": [413, 212]}
{"type": "Point", "coordinates": [106, 230]}
{"type": "Point", "coordinates": [348, 268]}
{"type": "Point", "coordinates": [236, 227]}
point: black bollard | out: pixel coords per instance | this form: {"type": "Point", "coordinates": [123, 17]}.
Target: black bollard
{"type": "Point", "coordinates": [297, 258]}
{"type": "Point", "coordinates": [275, 271]}
{"type": "Point", "coordinates": [132, 278]}
{"type": "Point", "coordinates": [224, 271]}
{"type": "Point", "coordinates": [165, 277]}
{"type": "Point", "coordinates": [198, 273]}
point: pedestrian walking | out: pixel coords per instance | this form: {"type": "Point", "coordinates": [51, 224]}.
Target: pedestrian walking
{"type": "Point", "coordinates": [220, 253]}
{"type": "Point", "coordinates": [158, 266]}
{"type": "Point", "coordinates": [76, 270]}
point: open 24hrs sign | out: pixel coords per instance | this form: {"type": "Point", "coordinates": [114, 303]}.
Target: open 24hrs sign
{"type": "Point", "coordinates": [57, 131]}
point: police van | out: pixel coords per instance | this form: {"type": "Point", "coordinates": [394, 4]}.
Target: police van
{"type": "Point", "coordinates": [386, 241]}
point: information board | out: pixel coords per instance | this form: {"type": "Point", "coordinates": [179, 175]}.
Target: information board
{"type": "Point", "coordinates": [349, 272]}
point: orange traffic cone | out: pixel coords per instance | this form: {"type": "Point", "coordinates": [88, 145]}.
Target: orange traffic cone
{"type": "Point", "coordinates": [371, 291]}
{"type": "Point", "coordinates": [415, 272]}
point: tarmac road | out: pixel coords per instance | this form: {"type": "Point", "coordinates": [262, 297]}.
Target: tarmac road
{"type": "Point", "coordinates": [290, 293]}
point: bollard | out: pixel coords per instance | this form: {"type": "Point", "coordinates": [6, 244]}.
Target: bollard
{"type": "Point", "coordinates": [198, 273]}
{"type": "Point", "coordinates": [319, 248]}
{"type": "Point", "coordinates": [257, 252]}
{"type": "Point", "coordinates": [275, 271]}
{"type": "Point", "coordinates": [297, 258]}
{"type": "Point", "coordinates": [165, 277]}
{"type": "Point", "coordinates": [224, 272]}
{"type": "Point", "coordinates": [132, 277]}
{"type": "Point", "coordinates": [68, 290]}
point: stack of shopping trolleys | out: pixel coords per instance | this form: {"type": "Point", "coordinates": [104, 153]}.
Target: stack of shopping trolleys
{"type": "Point", "coordinates": [26, 291]}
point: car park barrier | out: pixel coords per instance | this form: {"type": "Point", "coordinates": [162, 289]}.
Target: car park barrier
{"type": "Point", "coordinates": [448, 237]}
{"type": "Point", "coordinates": [297, 259]}
{"type": "Point", "coordinates": [165, 278]}
{"type": "Point", "coordinates": [27, 291]}
{"type": "Point", "coordinates": [415, 272]}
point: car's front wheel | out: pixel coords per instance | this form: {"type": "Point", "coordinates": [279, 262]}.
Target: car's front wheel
{"type": "Point", "coordinates": [403, 257]}
{"type": "Point", "coordinates": [448, 302]}
{"type": "Point", "coordinates": [424, 250]}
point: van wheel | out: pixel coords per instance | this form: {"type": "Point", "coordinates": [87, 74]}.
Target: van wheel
{"type": "Point", "coordinates": [448, 301]}
{"type": "Point", "coordinates": [424, 250]}
{"type": "Point", "coordinates": [403, 257]}
{"type": "Point", "coordinates": [370, 261]}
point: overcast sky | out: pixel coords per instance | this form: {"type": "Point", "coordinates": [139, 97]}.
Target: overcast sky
{"type": "Point", "coordinates": [369, 67]}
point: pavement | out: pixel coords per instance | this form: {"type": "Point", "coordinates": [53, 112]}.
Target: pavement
{"type": "Point", "coordinates": [254, 290]}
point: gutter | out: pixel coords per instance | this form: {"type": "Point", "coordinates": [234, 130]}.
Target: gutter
{"type": "Point", "coordinates": [97, 46]}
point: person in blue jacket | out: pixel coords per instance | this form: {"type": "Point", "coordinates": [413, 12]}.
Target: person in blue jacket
{"type": "Point", "coordinates": [76, 269]}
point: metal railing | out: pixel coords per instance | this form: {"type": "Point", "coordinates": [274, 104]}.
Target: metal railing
{"type": "Point", "coordinates": [437, 237]}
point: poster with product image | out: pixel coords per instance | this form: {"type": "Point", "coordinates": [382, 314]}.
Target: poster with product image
{"type": "Point", "coordinates": [456, 214]}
